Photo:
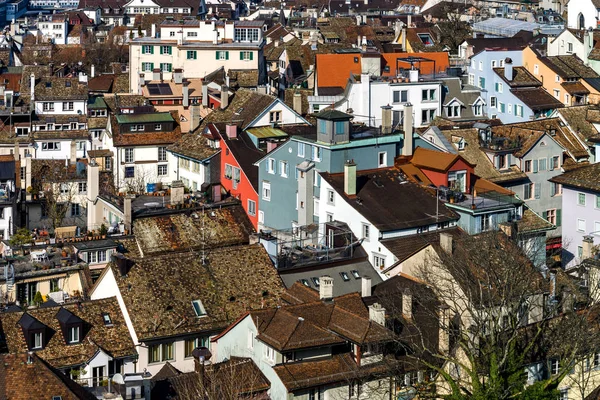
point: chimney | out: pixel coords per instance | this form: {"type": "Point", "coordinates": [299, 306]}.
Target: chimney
{"type": "Point", "coordinates": [297, 103]}
{"type": "Point", "coordinates": [413, 75]}
{"type": "Point", "coordinates": [153, 30]}
{"type": "Point", "coordinates": [93, 189]}
{"type": "Point", "coordinates": [127, 220]}
{"type": "Point", "coordinates": [27, 176]}
{"type": "Point", "coordinates": [409, 20]}
{"type": "Point", "coordinates": [215, 36]}
{"type": "Point", "coordinates": [32, 86]}
{"type": "Point", "coordinates": [224, 97]}
{"type": "Point", "coordinates": [201, 356]}
{"type": "Point", "coordinates": [377, 313]}
{"type": "Point", "coordinates": [73, 155]}
{"type": "Point", "coordinates": [194, 117]}
{"type": "Point", "coordinates": [141, 83]}
{"type": "Point", "coordinates": [231, 130]}
{"type": "Point", "coordinates": [588, 45]}
{"type": "Point", "coordinates": [508, 69]}
{"type": "Point", "coordinates": [366, 2]}
{"type": "Point", "coordinates": [16, 152]}
{"type": "Point", "coordinates": [386, 119]}
{"type": "Point", "coordinates": [271, 145]}
{"type": "Point", "coordinates": [326, 287]}
{"type": "Point", "coordinates": [404, 39]}
{"type": "Point", "coordinates": [350, 178]}
{"type": "Point", "coordinates": [177, 192]}
{"type": "Point", "coordinates": [178, 76]}
{"type": "Point", "coordinates": [365, 286]}
{"type": "Point", "coordinates": [186, 93]}
{"type": "Point", "coordinates": [586, 246]}
{"type": "Point", "coordinates": [444, 330]}
{"type": "Point", "coordinates": [157, 74]}
{"type": "Point", "coordinates": [205, 94]}
{"type": "Point", "coordinates": [93, 71]}
{"type": "Point", "coordinates": [536, 308]}
{"type": "Point", "coordinates": [407, 148]}
{"type": "Point", "coordinates": [407, 305]}
{"type": "Point", "coordinates": [122, 264]}
{"type": "Point", "coordinates": [446, 242]}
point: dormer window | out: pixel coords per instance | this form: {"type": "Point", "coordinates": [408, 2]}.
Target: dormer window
{"type": "Point", "coordinates": [37, 340]}
{"type": "Point", "coordinates": [198, 308]}
{"type": "Point", "coordinates": [71, 326]}
{"type": "Point", "coordinates": [34, 332]}
{"type": "Point", "coordinates": [73, 334]}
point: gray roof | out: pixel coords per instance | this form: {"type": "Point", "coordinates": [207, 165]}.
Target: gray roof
{"type": "Point", "coordinates": [95, 244]}
{"type": "Point", "coordinates": [467, 95]}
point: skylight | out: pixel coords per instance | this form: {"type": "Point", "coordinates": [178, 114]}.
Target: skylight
{"type": "Point", "coordinates": [198, 308]}
{"type": "Point", "coordinates": [355, 274]}
{"type": "Point", "coordinates": [315, 280]}
{"type": "Point", "coordinates": [344, 276]}
{"type": "Point", "coordinates": [106, 319]}
{"type": "Point", "coordinates": [305, 282]}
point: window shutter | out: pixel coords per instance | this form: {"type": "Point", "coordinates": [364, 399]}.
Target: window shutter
{"type": "Point", "coordinates": [551, 163]}
{"type": "Point", "coordinates": [227, 55]}
{"type": "Point", "coordinates": [161, 50]}
{"type": "Point", "coordinates": [217, 55]}
{"type": "Point", "coordinates": [267, 165]}
{"type": "Point", "coordinates": [195, 55]}
{"type": "Point", "coordinates": [241, 55]}
{"type": "Point", "coordinates": [251, 55]}
{"type": "Point", "coordinates": [515, 109]}
{"type": "Point", "coordinates": [553, 189]}
{"type": "Point", "coordinates": [151, 49]}
{"type": "Point", "coordinates": [558, 217]}
{"type": "Point", "coordinates": [538, 190]}
{"type": "Point", "coordinates": [545, 215]}
{"type": "Point", "coordinates": [170, 50]}
{"type": "Point", "coordinates": [496, 86]}
{"type": "Point", "coordinates": [287, 169]}
{"type": "Point", "coordinates": [535, 166]}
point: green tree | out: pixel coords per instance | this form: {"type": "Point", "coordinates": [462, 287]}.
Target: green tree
{"type": "Point", "coordinates": [38, 299]}
{"type": "Point", "coordinates": [22, 237]}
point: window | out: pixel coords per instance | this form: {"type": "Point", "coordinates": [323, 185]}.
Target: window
{"type": "Point", "coordinates": [190, 33]}
{"type": "Point", "coordinates": [165, 50]}
{"type": "Point", "coordinates": [557, 79]}
{"type": "Point", "coordinates": [564, 393]}
{"type": "Point", "coordinates": [129, 172]}
{"type": "Point", "coordinates": [162, 154]}
{"type": "Point", "coordinates": [160, 352]}
{"type": "Point", "coordinates": [251, 339]}
{"type": "Point", "coordinates": [192, 55]}
{"type": "Point", "coordinates": [75, 210]}
{"type": "Point", "coordinates": [551, 216]}
{"type": "Point", "coordinates": [597, 201]}
{"type": "Point", "coordinates": [481, 65]}
{"type": "Point", "coordinates": [251, 207]}
{"type": "Point", "coordinates": [554, 367]}
{"type": "Point", "coordinates": [162, 170]}
{"type": "Point", "coordinates": [581, 225]}
{"type": "Point", "coordinates": [557, 93]}
{"type": "Point", "coordinates": [166, 67]}
{"type": "Point", "coordinates": [261, 217]}
{"type": "Point", "coordinates": [222, 55]}
{"type": "Point", "coordinates": [382, 159]}
{"type": "Point", "coordinates": [37, 340]}
{"type": "Point", "coordinates": [471, 79]}
{"type": "Point", "coordinates": [106, 319]}
{"type": "Point", "coordinates": [284, 169]}
{"type": "Point", "coordinates": [339, 127]}
{"type": "Point", "coordinates": [486, 222]}
{"type": "Point", "coordinates": [316, 153]}
{"type": "Point", "coordinates": [581, 199]}
{"type": "Point", "coordinates": [191, 344]}
{"type": "Point", "coordinates": [82, 187]}
{"type": "Point", "coordinates": [494, 63]}
{"type": "Point", "coordinates": [246, 55]}
{"type": "Point", "coordinates": [528, 189]}
{"type": "Point", "coordinates": [482, 82]}
{"type": "Point", "coordinates": [330, 197]}
{"type": "Point", "coordinates": [147, 49]}
{"type": "Point", "coordinates": [67, 106]}
{"type": "Point", "coordinates": [493, 102]}
{"type": "Point", "coordinates": [428, 94]}
{"type": "Point", "coordinates": [275, 116]}
{"type": "Point", "coordinates": [400, 96]}
{"type": "Point", "coordinates": [269, 353]}
{"type": "Point", "coordinates": [556, 189]}
{"type": "Point", "coordinates": [536, 69]}
{"type": "Point", "coordinates": [510, 109]}
{"type": "Point", "coordinates": [198, 308]}
{"type": "Point", "coordinates": [502, 107]}
{"type": "Point", "coordinates": [271, 165]}
{"type": "Point", "coordinates": [453, 111]}
{"type": "Point", "coordinates": [478, 109]}
{"type": "Point", "coordinates": [427, 116]}
{"type": "Point", "coordinates": [542, 164]}
{"type": "Point", "coordinates": [527, 166]}
{"type": "Point", "coordinates": [301, 149]}
{"type": "Point", "coordinates": [74, 334]}
{"type": "Point", "coordinates": [378, 261]}
{"type": "Point", "coordinates": [499, 87]}
{"type": "Point", "coordinates": [47, 106]}
{"type": "Point", "coordinates": [147, 66]}
{"type": "Point", "coordinates": [366, 231]}
{"type": "Point", "coordinates": [266, 192]}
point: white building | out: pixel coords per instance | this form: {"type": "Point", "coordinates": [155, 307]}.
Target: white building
{"type": "Point", "coordinates": [54, 28]}
{"type": "Point", "coordinates": [579, 43]}
{"type": "Point", "coordinates": [583, 14]}
{"type": "Point", "coordinates": [182, 44]}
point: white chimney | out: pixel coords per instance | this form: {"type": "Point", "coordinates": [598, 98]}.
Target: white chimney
{"type": "Point", "coordinates": [407, 305]}
{"type": "Point", "coordinates": [32, 86]}
{"type": "Point", "coordinates": [153, 30]}
{"type": "Point", "coordinates": [407, 148]}
{"type": "Point", "coordinates": [386, 119]}
{"type": "Point", "coordinates": [446, 242]}
{"type": "Point", "coordinates": [177, 192]}
{"type": "Point", "coordinates": [204, 94]}
{"type": "Point", "coordinates": [215, 36]}
{"type": "Point", "coordinates": [326, 287]}
{"type": "Point", "coordinates": [186, 93]}
{"type": "Point", "coordinates": [93, 71]}
{"type": "Point", "coordinates": [409, 21]}
{"type": "Point", "coordinates": [141, 83]}
{"type": "Point", "coordinates": [508, 69]}
{"type": "Point", "coordinates": [93, 189]}
{"type": "Point", "coordinates": [587, 247]}
{"type": "Point", "coordinates": [377, 313]}
{"type": "Point", "coordinates": [73, 154]}
{"type": "Point", "coordinates": [127, 214]}
{"type": "Point", "coordinates": [350, 178]}
{"type": "Point", "coordinates": [365, 286]}
{"type": "Point", "coordinates": [297, 103]}
{"type": "Point", "coordinates": [224, 97]}
{"type": "Point", "coordinates": [413, 75]}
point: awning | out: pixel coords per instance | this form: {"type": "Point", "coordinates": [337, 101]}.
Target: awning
{"type": "Point", "coordinates": [65, 232]}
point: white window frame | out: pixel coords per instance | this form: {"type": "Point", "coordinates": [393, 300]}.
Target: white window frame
{"type": "Point", "coordinates": [266, 191]}
{"type": "Point", "coordinates": [581, 225]}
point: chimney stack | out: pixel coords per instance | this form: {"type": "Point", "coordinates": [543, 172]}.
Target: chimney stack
{"type": "Point", "coordinates": [194, 117]}
{"type": "Point", "coordinates": [446, 242]}
{"type": "Point", "coordinates": [403, 39]}
{"type": "Point", "coordinates": [407, 305]}
{"type": "Point", "coordinates": [326, 287]}
{"type": "Point", "coordinates": [231, 130]}
{"type": "Point", "coordinates": [186, 93]}
{"type": "Point", "coordinates": [16, 152]}
{"type": "Point", "coordinates": [215, 36]}
{"type": "Point", "coordinates": [297, 103]}
{"type": "Point", "coordinates": [407, 147]}
{"type": "Point", "coordinates": [153, 30]}
{"type": "Point", "coordinates": [508, 69]}
{"type": "Point", "coordinates": [271, 145]}
{"type": "Point", "coordinates": [377, 313]}
{"type": "Point", "coordinates": [386, 119]}
{"type": "Point", "coordinates": [224, 97]}
{"type": "Point", "coordinates": [444, 330]}
{"type": "Point", "coordinates": [365, 286]}
{"type": "Point", "coordinates": [350, 178]}
{"type": "Point", "coordinates": [157, 74]}
{"type": "Point", "coordinates": [413, 75]}
{"type": "Point", "coordinates": [178, 76]}
{"type": "Point", "coordinates": [128, 218]}
{"type": "Point", "coordinates": [204, 94]}
{"type": "Point", "coordinates": [587, 246]}
{"type": "Point", "coordinates": [93, 189]}
{"type": "Point", "coordinates": [73, 155]}
{"type": "Point", "coordinates": [141, 83]}
{"type": "Point", "coordinates": [122, 264]}
{"type": "Point", "coordinates": [177, 192]}
{"type": "Point", "coordinates": [536, 308]}
{"type": "Point", "coordinates": [93, 71]}
{"type": "Point", "coordinates": [27, 182]}
{"type": "Point", "coordinates": [32, 86]}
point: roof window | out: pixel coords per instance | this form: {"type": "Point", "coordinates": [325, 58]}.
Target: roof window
{"type": "Point", "coordinates": [355, 274]}
{"type": "Point", "coordinates": [305, 282]}
{"type": "Point", "coordinates": [107, 320]}
{"type": "Point", "coordinates": [315, 281]}
{"type": "Point", "coordinates": [198, 308]}
{"type": "Point", "coordinates": [345, 276]}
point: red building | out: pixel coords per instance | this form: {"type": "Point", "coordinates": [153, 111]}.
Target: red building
{"type": "Point", "coordinates": [239, 175]}
{"type": "Point", "coordinates": [445, 169]}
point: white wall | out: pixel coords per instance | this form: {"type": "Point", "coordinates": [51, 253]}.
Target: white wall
{"type": "Point", "coordinates": [587, 9]}
{"type": "Point", "coordinates": [288, 116]}
{"type": "Point", "coordinates": [79, 107]}
{"type": "Point", "coordinates": [146, 165]}
{"type": "Point", "coordinates": [63, 153]}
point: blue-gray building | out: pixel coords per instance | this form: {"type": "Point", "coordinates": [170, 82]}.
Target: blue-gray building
{"type": "Point", "coordinates": [289, 181]}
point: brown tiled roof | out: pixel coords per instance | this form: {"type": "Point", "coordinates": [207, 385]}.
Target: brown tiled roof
{"type": "Point", "coordinates": [146, 138]}
{"type": "Point", "coordinates": [12, 81]}
{"type": "Point", "coordinates": [114, 339]}
{"type": "Point", "coordinates": [158, 291]}
{"type": "Point", "coordinates": [339, 368]}
{"type": "Point", "coordinates": [299, 293]}
{"type": "Point", "coordinates": [73, 134]}
{"type": "Point", "coordinates": [406, 246]}
{"type": "Point", "coordinates": [123, 100]}
{"type": "Point", "coordinates": [537, 98]}
{"type": "Point", "coordinates": [434, 160]}
{"type": "Point", "coordinates": [584, 177]}
{"type": "Point", "coordinates": [193, 145]}
{"type": "Point", "coordinates": [532, 222]}
{"type": "Point", "coordinates": [99, 153]}
{"type": "Point", "coordinates": [243, 78]}
{"type": "Point", "coordinates": [575, 88]}
{"type": "Point", "coordinates": [569, 67]}
{"type": "Point", "coordinates": [55, 88]}
{"type": "Point", "coordinates": [97, 122]}
{"type": "Point", "coordinates": [521, 78]}
{"type": "Point", "coordinates": [101, 83]}
{"type": "Point", "coordinates": [580, 119]}
{"type": "Point", "coordinates": [176, 232]}
{"type": "Point", "coordinates": [23, 380]}
{"type": "Point", "coordinates": [304, 93]}
{"type": "Point", "coordinates": [378, 191]}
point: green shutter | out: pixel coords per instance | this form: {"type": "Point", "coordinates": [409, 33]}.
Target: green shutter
{"type": "Point", "coordinates": [195, 55]}
{"type": "Point", "coordinates": [151, 66]}
{"type": "Point", "coordinates": [217, 55]}
{"type": "Point", "coordinates": [515, 106]}
{"type": "Point", "coordinates": [170, 67]}
{"type": "Point", "coordinates": [151, 49]}
{"type": "Point", "coordinates": [241, 55]}
{"type": "Point", "coordinates": [161, 49]}
{"type": "Point", "coordinates": [558, 217]}
{"type": "Point", "coordinates": [170, 50]}
{"type": "Point", "coordinates": [251, 55]}
{"type": "Point", "coordinates": [545, 215]}
{"type": "Point", "coordinates": [496, 86]}
{"type": "Point", "coordinates": [227, 55]}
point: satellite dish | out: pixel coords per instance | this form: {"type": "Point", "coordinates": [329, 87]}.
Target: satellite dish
{"type": "Point", "coordinates": [118, 379]}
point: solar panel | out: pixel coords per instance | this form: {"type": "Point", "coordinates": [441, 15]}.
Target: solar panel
{"type": "Point", "coordinates": [157, 89]}
{"type": "Point", "coordinates": [153, 89]}
{"type": "Point", "coordinates": [165, 89]}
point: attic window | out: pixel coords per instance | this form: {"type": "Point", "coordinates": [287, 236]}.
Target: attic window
{"type": "Point", "coordinates": [198, 308]}
{"type": "Point", "coordinates": [305, 282]}
{"type": "Point", "coordinates": [355, 274]}
{"type": "Point", "coordinates": [106, 319]}
{"type": "Point", "coordinates": [426, 39]}
{"type": "Point", "coordinates": [56, 397]}
{"type": "Point", "coordinates": [542, 144]}
{"type": "Point", "coordinates": [315, 281]}
{"type": "Point", "coordinates": [239, 110]}
{"type": "Point", "coordinates": [345, 276]}
{"type": "Point", "coordinates": [67, 83]}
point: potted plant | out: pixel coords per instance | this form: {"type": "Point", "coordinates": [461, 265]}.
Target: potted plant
{"type": "Point", "coordinates": [38, 299]}
{"type": "Point", "coordinates": [103, 231]}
